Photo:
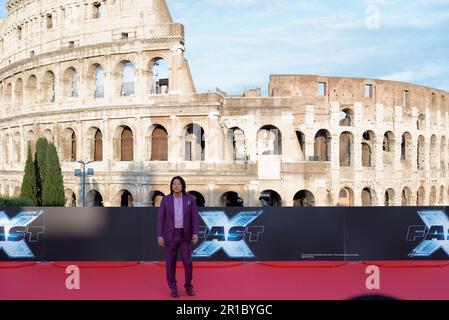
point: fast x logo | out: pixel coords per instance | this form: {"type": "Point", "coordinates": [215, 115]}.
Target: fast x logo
{"type": "Point", "coordinates": [228, 235]}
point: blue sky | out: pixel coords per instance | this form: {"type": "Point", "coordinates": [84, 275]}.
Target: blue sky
{"type": "Point", "coordinates": [236, 43]}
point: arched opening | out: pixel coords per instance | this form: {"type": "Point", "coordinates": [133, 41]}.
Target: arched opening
{"type": "Point", "coordinates": [346, 197]}
{"type": "Point", "coordinates": [322, 146]}
{"type": "Point", "coordinates": [70, 198]}
{"type": "Point", "coordinates": [8, 97]}
{"type": "Point", "coordinates": [304, 198]}
{"type": "Point", "coordinates": [433, 196]}
{"type": "Point", "coordinates": [48, 87]}
{"type": "Point", "coordinates": [389, 198]}
{"type": "Point", "coordinates": [156, 198]}
{"type": "Point", "coordinates": [16, 147]}
{"type": "Point", "coordinates": [368, 149]}
{"type": "Point", "coordinates": [48, 135]}
{"type": "Point", "coordinates": [194, 143]}
{"type": "Point", "coordinates": [269, 141]}
{"type": "Point", "coordinates": [388, 147]}
{"type": "Point", "coordinates": [70, 83]}
{"type": "Point", "coordinates": [94, 199]}
{"type": "Point", "coordinates": [421, 122]}
{"type": "Point", "coordinates": [125, 78]}
{"type": "Point", "coordinates": [443, 151]}
{"type": "Point", "coordinates": [124, 144]}
{"type": "Point", "coordinates": [69, 145]}
{"type": "Point", "coordinates": [95, 81]}
{"type": "Point", "coordinates": [420, 197]}
{"type": "Point", "coordinates": [406, 147]}
{"type": "Point", "coordinates": [346, 117]}
{"type": "Point", "coordinates": [442, 200]}
{"type": "Point", "coordinates": [231, 199]}
{"type": "Point", "coordinates": [270, 198]}
{"type": "Point", "coordinates": [346, 149]}
{"type": "Point", "coordinates": [433, 152]}
{"type": "Point", "coordinates": [406, 197]}
{"type": "Point", "coordinates": [421, 153]}
{"type": "Point", "coordinates": [126, 199]}
{"type": "Point", "coordinates": [159, 144]}
{"type": "Point", "coordinates": [31, 90]}
{"type": "Point", "coordinates": [159, 76]}
{"type": "Point", "coordinates": [301, 138]}
{"type": "Point", "coordinates": [235, 141]}
{"type": "Point", "coordinates": [31, 142]}
{"type": "Point", "coordinates": [200, 201]}
{"type": "Point", "coordinates": [18, 94]}
{"type": "Point", "coordinates": [368, 197]}
{"type": "Point", "coordinates": [98, 146]}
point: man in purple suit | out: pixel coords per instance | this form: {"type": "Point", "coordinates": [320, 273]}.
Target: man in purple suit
{"type": "Point", "coordinates": [177, 227]}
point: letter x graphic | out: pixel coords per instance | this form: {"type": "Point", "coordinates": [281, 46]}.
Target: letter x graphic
{"type": "Point", "coordinates": [234, 249]}
{"type": "Point", "coordinates": [428, 247]}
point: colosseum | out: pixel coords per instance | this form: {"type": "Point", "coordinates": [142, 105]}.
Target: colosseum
{"type": "Point", "coordinates": [107, 82]}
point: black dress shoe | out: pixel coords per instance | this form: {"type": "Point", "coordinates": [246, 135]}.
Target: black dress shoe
{"type": "Point", "coordinates": [174, 294]}
{"type": "Point", "coordinates": [190, 292]}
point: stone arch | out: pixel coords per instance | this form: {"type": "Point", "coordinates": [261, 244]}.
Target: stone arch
{"type": "Point", "coordinates": [96, 81]}
{"type": "Point", "coordinates": [368, 149]}
{"type": "Point", "coordinates": [443, 155]}
{"type": "Point", "coordinates": [346, 197]}
{"type": "Point", "coordinates": [442, 200]}
{"type": "Point", "coordinates": [70, 198]}
{"type": "Point", "coordinates": [68, 145]}
{"type": "Point", "coordinates": [47, 134]}
{"type": "Point", "coordinates": [304, 198]}
{"type": "Point", "coordinates": [235, 141]}
{"type": "Point", "coordinates": [16, 147]}
{"type": "Point", "coordinates": [158, 76]}
{"type": "Point", "coordinates": [433, 152]}
{"type": "Point", "coordinates": [406, 199]}
{"type": "Point", "coordinates": [157, 143]}
{"type": "Point", "coordinates": [48, 87]}
{"type": "Point", "coordinates": [123, 198]}
{"type": "Point", "coordinates": [270, 198]}
{"type": "Point", "coordinates": [231, 199]}
{"type": "Point", "coordinates": [421, 197]}
{"type": "Point", "coordinates": [433, 196]}
{"type": "Point", "coordinates": [95, 144]}
{"type": "Point", "coordinates": [70, 83]}
{"type": "Point", "coordinates": [31, 96]}
{"type": "Point", "coordinates": [388, 147]}
{"type": "Point", "coordinates": [125, 78]}
{"type": "Point", "coordinates": [346, 149]}
{"type": "Point", "coordinates": [8, 97]}
{"type": "Point", "coordinates": [18, 94]}
{"type": "Point", "coordinates": [194, 142]}
{"type": "Point", "coordinates": [200, 201]}
{"type": "Point", "coordinates": [322, 146]}
{"type": "Point", "coordinates": [31, 141]}
{"type": "Point", "coordinates": [406, 147]}
{"type": "Point", "coordinates": [155, 197]}
{"type": "Point", "coordinates": [421, 122]}
{"type": "Point", "coordinates": [368, 197]}
{"type": "Point", "coordinates": [389, 197]}
{"type": "Point", "coordinates": [346, 117]}
{"type": "Point", "coordinates": [301, 139]}
{"type": "Point", "coordinates": [94, 199]}
{"type": "Point", "coordinates": [421, 152]}
{"type": "Point", "coordinates": [124, 144]}
{"type": "Point", "coordinates": [269, 141]}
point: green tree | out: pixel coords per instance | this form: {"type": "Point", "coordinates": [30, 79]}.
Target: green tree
{"type": "Point", "coordinates": [53, 182]}
{"type": "Point", "coordinates": [40, 168]}
{"type": "Point", "coordinates": [29, 189]}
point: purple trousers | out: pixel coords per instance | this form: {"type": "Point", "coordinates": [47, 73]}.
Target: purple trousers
{"type": "Point", "coordinates": [171, 256]}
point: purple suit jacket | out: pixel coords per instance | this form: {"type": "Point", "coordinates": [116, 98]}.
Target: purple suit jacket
{"type": "Point", "coordinates": [166, 218]}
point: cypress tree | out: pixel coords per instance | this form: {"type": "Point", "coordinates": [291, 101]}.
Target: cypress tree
{"type": "Point", "coordinates": [39, 164]}
{"type": "Point", "coordinates": [29, 190]}
{"type": "Point", "coordinates": [53, 183]}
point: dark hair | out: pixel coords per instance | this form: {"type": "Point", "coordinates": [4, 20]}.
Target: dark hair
{"type": "Point", "coordinates": [182, 182]}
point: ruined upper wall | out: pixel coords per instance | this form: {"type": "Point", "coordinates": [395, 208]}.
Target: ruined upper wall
{"type": "Point", "coordinates": [350, 90]}
{"type": "Point", "coordinates": [35, 27]}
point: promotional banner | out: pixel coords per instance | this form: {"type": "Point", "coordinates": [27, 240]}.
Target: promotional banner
{"type": "Point", "coordinates": [228, 234]}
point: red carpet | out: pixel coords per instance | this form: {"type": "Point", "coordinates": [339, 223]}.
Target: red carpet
{"type": "Point", "coordinates": [213, 281]}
